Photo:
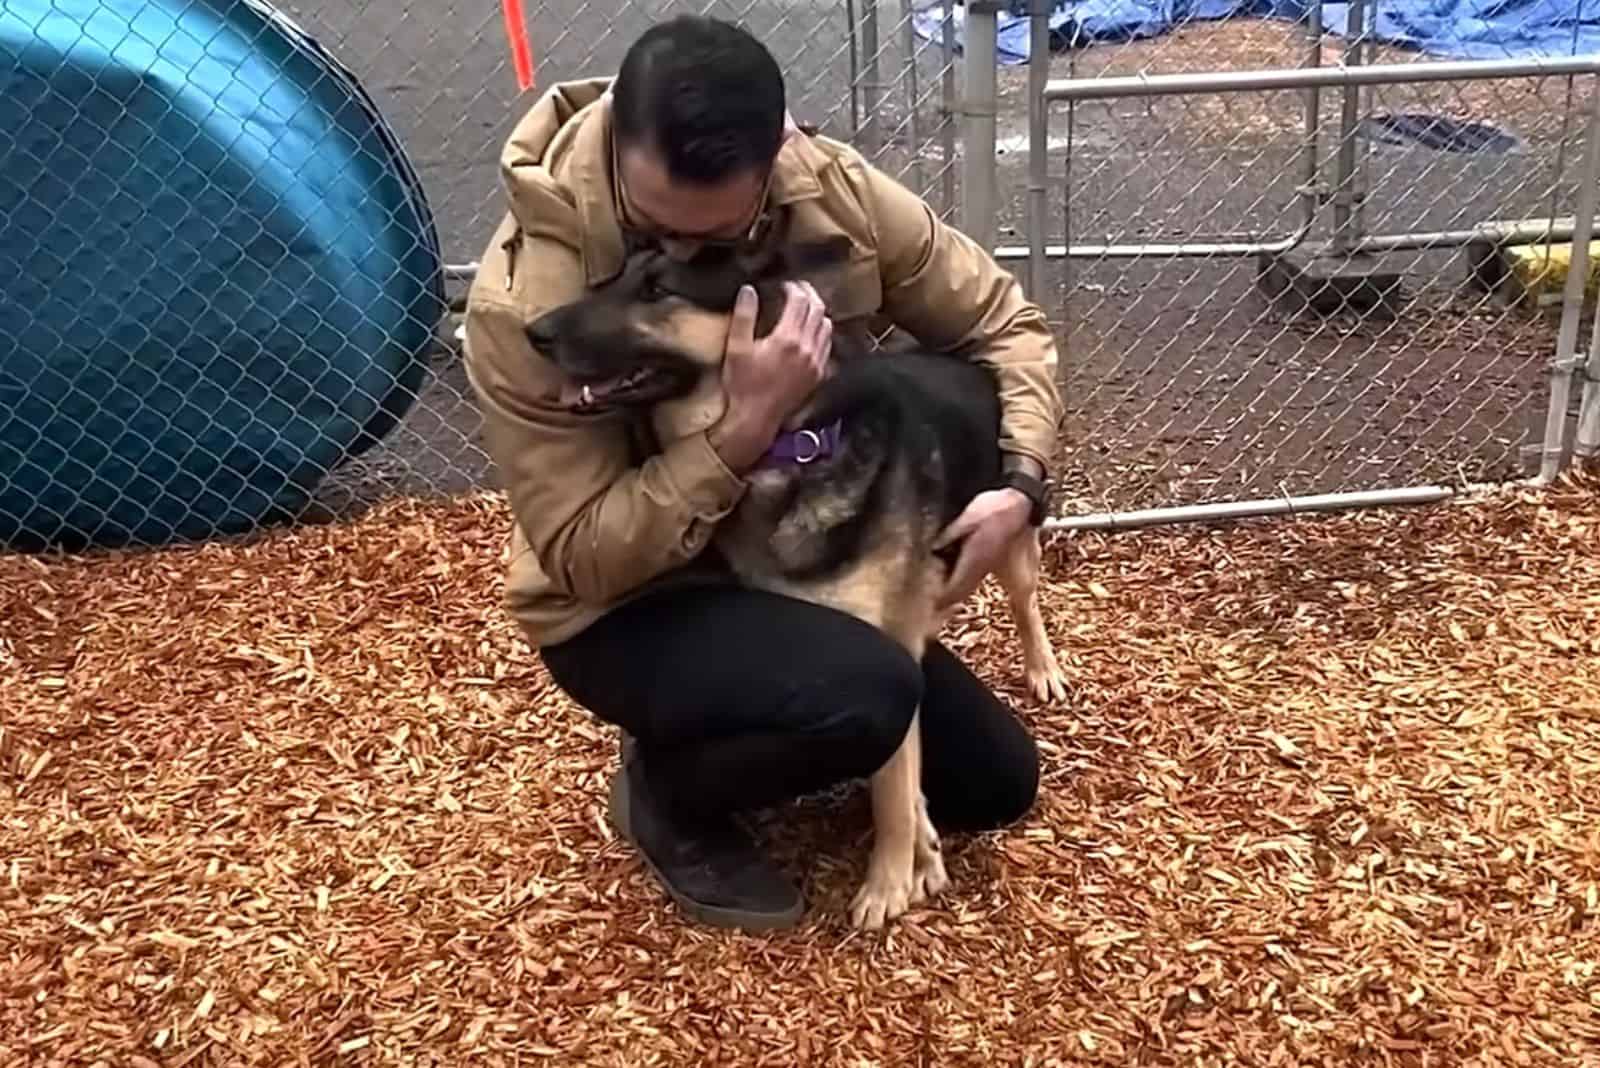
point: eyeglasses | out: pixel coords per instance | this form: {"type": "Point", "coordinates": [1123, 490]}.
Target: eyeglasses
{"type": "Point", "coordinates": [636, 238]}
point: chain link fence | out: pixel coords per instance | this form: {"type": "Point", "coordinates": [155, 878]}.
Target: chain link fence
{"type": "Point", "coordinates": [443, 77]}
{"type": "Point", "coordinates": [1293, 293]}
{"type": "Point", "coordinates": [95, 448]}
{"type": "Point", "coordinates": [1184, 382]}
{"type": "Point", "coordinates": [1191, 376]}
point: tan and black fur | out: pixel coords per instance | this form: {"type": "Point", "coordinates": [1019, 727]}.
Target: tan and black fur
{"type": "Point", "coordinates": [853, 531]}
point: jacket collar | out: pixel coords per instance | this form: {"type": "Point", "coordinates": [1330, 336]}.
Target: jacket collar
{"type": "Point", "coordinates": [588, 178]}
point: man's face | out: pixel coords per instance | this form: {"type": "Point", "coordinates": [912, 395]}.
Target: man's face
{"type": "Point", "coordinates": [681, 214]}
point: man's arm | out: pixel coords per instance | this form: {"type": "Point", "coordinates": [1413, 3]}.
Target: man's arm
{"type": "Point", "coordinates": [950, 294]}
{"type": "Point", "coordinates": [599, 525]}
{"type": "Point", "coordinates": [943, 288]}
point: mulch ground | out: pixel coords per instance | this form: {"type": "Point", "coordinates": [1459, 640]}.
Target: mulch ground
{"type": "Point", "coordinates": [1326, 794]}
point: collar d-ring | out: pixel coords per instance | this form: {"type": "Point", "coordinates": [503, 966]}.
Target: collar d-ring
{"type": "Point", "coordinates": [807, 437]}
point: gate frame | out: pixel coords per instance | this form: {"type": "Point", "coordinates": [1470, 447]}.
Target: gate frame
{"type": "Point", "coordinates": [1568, 364]}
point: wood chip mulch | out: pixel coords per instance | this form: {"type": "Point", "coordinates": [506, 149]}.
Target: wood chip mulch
{"type": "Point", "coordinates": [1327, 793]}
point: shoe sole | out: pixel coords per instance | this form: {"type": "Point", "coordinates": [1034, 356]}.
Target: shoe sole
{"type": "Point", "coordinates": [699, 910]}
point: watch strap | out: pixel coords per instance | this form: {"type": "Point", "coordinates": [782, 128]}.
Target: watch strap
{"type": "Point", "coordinates": [1033, 488]}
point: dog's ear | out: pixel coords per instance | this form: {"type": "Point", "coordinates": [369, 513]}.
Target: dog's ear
{"type": "Point", "coordinates": [821, 263]}
{"type": "Point", "coordinates": [807, 258]}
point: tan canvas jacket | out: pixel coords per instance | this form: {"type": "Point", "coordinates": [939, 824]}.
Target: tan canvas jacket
{"type": "Point", "coordinates": [601, 514]}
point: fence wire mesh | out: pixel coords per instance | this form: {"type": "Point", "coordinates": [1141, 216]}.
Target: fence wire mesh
{"type": "Point", "coordinates": [1182, 384]}
{"type": "Point", "coordinates": [218, 77]}
{"type": "Point", "coordinates": [443, 76]}
{"type": "Point", "coordinates": [1185, 382]}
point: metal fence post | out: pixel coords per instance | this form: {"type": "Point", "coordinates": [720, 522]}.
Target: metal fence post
{"type": "Point", "coordinates": [854, 53]}
{"type": "Point", "coordinates": [908, 44]}
{"type": "Point", "coordinates": [1587, 441]}
{"type": "Point", "coordinates": [1346, 198]}
{"type": "Point", "coordinates": [1567, 359]}
{"type": "Point", "coordinates": [871, 83]}
{"type": "Point", "coordinates": [947, 104]}
{"type": "Point", "coordinates": [1038, 142]}
{"type": "Point", "coordinates": [1311, 150]}
{"type": "Point", "coordinates": [979, 75]}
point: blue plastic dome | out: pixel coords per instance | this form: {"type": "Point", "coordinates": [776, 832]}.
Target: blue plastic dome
{"type": "Point", "coordinates": [219, 277]}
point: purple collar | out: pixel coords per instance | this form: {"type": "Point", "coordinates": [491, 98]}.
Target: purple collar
{"type": "Point", "coordinates": [804, 445]}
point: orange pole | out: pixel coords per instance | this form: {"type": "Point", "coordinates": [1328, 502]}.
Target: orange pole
{"type": "Point", "coordinates": [517, 35]}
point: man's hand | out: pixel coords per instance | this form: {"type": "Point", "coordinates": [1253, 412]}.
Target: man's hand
{"type": "Point", "coordinates": [767, 380]}
{"type": "Point", "coordinates": [984, 528]}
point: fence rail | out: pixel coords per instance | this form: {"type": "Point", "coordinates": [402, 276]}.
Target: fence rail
{"type": "Point", "coordinates": [1198, 179]}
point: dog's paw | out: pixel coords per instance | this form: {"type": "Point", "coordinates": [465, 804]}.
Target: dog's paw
{"type": "Point", "coordinates": [885, 896]}
{"type": "Point", "coordinates": [930, 881]}
{"type": "Point", "coordinates": [1047, 682]}
{"type": "Point", "coordinates": [929, 877]}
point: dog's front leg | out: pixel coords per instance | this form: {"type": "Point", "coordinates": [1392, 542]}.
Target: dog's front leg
{"type": "Point", "coordinates": [931, 877]}
{"type": "Point", "coordinates": [891, 883]}
{"type": "Point", "coordinates": [928, 876]}
{"type": "Point", "coordinates": [1019, 576]}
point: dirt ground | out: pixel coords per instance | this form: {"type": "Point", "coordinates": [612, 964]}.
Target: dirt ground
{"type": "Point", "coordinates": [1323, 795]}
{"type": "Point", "coordinates": [1182, 382]}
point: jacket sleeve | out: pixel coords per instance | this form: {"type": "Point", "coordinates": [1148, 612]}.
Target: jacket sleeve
{"type": "Point", "coordinates": [599, 525]}
{"type": "Point", "coordinates": [942, 287]}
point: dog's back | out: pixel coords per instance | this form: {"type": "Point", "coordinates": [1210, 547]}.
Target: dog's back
{"type": "Point", "coordinates": [917, 440]}
{"type": "Point", "coordinates": [948, 414]}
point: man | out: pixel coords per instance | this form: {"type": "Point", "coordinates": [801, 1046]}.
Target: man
{"type": "Point", "coordinates": [732, 699]}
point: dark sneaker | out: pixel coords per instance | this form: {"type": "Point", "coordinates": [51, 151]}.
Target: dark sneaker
{"type": "Point", "coordinates": [714, 872]}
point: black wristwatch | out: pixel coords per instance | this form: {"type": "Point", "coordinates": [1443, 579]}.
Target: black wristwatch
{"type": "Point", "coordinates": [1036, 490]}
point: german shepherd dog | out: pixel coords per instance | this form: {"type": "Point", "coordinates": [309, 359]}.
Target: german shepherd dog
{"type": "Point", "coordinates": [888, 451]}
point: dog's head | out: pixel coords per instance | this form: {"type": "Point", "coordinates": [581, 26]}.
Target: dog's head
{"type": "Point", "coordinates": [656, 329]}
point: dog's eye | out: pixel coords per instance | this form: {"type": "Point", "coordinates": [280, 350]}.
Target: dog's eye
{"type": "Point", "coordinates": [652, 290]}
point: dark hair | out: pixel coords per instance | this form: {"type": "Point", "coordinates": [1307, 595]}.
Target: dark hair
{"type": "Point", "coordinates": [704, 94]}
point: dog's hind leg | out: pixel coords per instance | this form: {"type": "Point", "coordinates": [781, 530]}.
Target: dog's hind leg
{"type": "Point", "coordinates": [1019, 575]}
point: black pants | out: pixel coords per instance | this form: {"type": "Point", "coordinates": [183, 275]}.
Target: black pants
{"type": "Point", "coordinates": [738, 699]}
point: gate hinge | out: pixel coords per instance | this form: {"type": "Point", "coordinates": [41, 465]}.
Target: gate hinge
{"type": "Point", "coordinates": [1578, 361]}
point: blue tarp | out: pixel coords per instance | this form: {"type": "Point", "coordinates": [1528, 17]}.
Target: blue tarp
{"type": "Point", "coordinates": [219, 278]}
{"type": "Point", "coordinates": [1456, 29]}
